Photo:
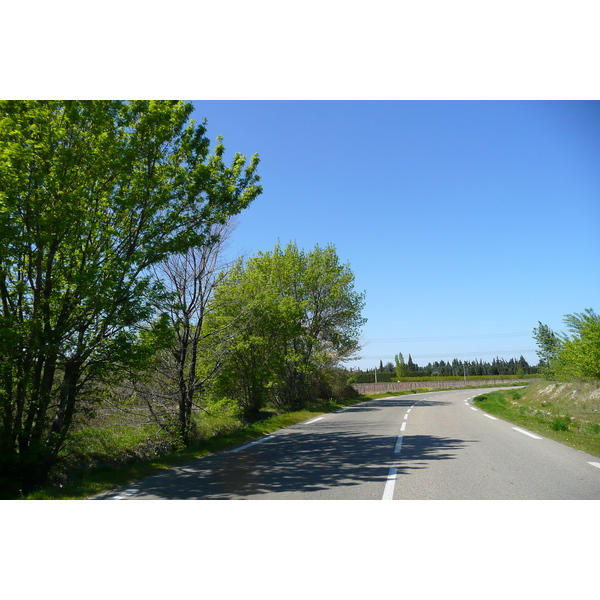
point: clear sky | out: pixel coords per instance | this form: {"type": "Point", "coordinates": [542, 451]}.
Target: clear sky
{"type": "Point", "coordinates": [465, 222]}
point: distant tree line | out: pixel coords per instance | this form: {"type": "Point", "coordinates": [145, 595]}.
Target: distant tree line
{"type": "Point", "coordinates": [456, 367]}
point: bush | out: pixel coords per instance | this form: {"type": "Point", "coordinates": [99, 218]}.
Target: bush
{"type": "Point", "coordinates": [561, 423]}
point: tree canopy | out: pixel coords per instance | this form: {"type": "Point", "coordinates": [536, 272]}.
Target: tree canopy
{"type": "Point", "coordinates": [575, 354]}
{"type": "Point", "coordinates": [92, 194]}
{"type": "Point", "coordinates": [288, 315]}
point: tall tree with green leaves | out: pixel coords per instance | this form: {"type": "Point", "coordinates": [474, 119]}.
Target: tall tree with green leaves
{"type": "Point", "coordinates": [549, 345]}
{"type": "Point", "coordinates": [580, 351]}
{"type": "Point", "coordinates": [301, 315]}
{"type": "Point", "coordinates": [401, 369]}
{"type": "Point", "coordinates": [575, 354]}
{"type": "Point", "coordinates": [92, 194]}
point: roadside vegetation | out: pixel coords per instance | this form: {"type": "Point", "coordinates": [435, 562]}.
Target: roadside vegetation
{"type": "Point", "coordinates": [111, 454]}
{"type": "Point", "coordinates": [568, 412]}
{"type": "Point", "coordinates": [116, 451]}
{"type": "Point", "coordinates": [566, 406]}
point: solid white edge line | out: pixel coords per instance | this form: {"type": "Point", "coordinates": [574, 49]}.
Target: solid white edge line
{"type": "Point", "coordinates": [270, 437]}
{"type": "Point", "coordinates": [535, 437]}
{"type": "Point", "coordinates": [594, 464]}
{"type": "Point", "coordinates": [388, 492]}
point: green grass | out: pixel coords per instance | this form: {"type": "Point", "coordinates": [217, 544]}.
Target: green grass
{"type": "Point", "coordinates": [569, 414]}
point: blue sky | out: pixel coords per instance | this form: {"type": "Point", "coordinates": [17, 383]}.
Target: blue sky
{"type": "Point", "coordinates": [465, 222]}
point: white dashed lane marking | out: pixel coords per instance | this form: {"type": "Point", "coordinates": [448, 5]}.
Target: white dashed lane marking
{"type": "Point", "coordinates": [535, 437]}
{"type": "Point", "coordinates": [270, 437]}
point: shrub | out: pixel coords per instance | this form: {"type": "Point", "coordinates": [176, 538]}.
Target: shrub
{"type": "Point", "coordinates": [561, 423]}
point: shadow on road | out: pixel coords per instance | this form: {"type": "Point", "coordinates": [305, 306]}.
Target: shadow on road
{"type": "Point", "coordinates": [298, 462]}
{"type": "Point", "coordinates": [401, 402]}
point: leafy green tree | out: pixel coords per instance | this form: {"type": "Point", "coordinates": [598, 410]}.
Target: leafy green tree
{"type": "Point", "coordinates": [290, 315]}
{"type": "Point", "coordinates": [92, 194]}
{"type": "Point", "coordinates": [549, 345]}
{"type": "Point", "coordinates": [576, 354]}
{"type": "Point", "coordinates": [401, 368]}
{"type": "Point", "coordinates": [580, 352]}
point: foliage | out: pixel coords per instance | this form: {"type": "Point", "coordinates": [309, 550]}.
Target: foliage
{"type": "Point", "coordinates": [287, 316]}
{"type": "Point", "coordinates": [549, 345]}
{"type": "Point", "coordinates": [92, 194]}
{"type": "Point", "coordinates": [175, 387]}
{"type": "Point", "coordinates": [401, 370]}
{"type": "Point", "coordinates": [580, 352]}
{"type": "Point", "coordinates": [573, 355]}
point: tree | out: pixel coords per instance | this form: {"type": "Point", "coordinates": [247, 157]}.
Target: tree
{"type": "Point", "coordinates": [182, 371]}
{"type": "Point", "coordinates": [580, 352]}
{"type": "Point", "coordinates": [411, 366]}
{"type": "Point", "coordinates": [549, 348]}
{"type": "Point", "coordinates": [401, 369]}
{"type": "Point", "coordinates": [577, 354]}
{"type": "Point", "coordinates": [301, 317]}
{"type": "Point", "coordinates": [92, 195]}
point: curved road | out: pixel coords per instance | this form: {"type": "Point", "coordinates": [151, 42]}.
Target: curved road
{"type": "Point", "coordinates": [433, 445]}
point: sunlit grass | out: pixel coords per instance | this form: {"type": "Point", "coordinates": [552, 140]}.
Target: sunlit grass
{"type": "Point", "coordinates": [567, 413]}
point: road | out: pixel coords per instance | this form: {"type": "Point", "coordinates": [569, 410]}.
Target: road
{"type": "Point", "coordinates": [433, 445]}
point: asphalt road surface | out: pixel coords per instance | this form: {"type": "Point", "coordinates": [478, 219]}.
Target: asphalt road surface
{"type": "Point", "coordinates": [433, 445]}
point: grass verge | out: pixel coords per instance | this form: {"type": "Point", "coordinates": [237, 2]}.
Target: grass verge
{"type": "Point", "coordinates": [566, 413]}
